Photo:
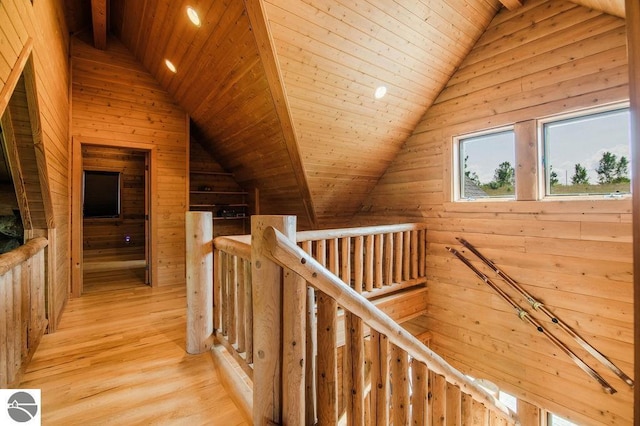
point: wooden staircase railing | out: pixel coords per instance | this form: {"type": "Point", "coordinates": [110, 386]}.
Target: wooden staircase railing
{"type": "Point", "coordinates": [277, 311]}
{"type": "Point", "coordinates": [22, 308]}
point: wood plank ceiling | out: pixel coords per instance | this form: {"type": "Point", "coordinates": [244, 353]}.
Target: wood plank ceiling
{"type": "Point", "coordinates": [282, 93]}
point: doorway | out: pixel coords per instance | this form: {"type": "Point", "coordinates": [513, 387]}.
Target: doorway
{"type": "Point", "coordinates": [111, 216]}
{"type": "Point", "coordinates": [114, 210]}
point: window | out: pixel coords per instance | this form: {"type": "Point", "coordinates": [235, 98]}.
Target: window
{"type": "Point", "coordinates": [554, 420]}
{"type": "Point", "coordinates": [508, 400]}
{"type": "Point", "coordinates": [101, 194]}
{"type": "Point", "coordinates": [587, 154]}
{"type": "Point", "coordinates": [485, 165]}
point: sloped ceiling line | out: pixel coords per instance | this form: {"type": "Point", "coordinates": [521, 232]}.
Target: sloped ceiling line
{"type": "Point", "coordinates": [266, 47]}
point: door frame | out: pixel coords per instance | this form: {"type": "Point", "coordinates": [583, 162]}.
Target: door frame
{"type": "Point", "coordinates": [76, 207]}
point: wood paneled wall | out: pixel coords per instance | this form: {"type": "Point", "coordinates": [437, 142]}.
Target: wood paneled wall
{"type": "Point", "coordinates": [44, 23]}
{"type": "Point", "coordinates": [117, 101]}
{"type": "Point", "coordinates": [545, 58]}
{"type": "Point", "coordinates": [106, 233]}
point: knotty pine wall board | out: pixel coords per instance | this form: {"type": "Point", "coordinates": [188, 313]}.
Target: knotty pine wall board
{"type": "Point", "coordinates": [134, 119]}
{"type": "Point", "coordinates": [44, 23]}
{"type": "Point", "coordinates": [575, 255]}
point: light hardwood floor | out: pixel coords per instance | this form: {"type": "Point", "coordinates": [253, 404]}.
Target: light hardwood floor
{"type": "Point", "coordinates": [119, 357]}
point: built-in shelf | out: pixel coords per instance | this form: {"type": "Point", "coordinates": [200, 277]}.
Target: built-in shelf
{"type": "Point", "coordinates": [219, 193]}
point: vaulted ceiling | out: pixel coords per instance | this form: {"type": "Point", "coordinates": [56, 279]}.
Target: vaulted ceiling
{"type": "Point", "coordinates": [282, 92]}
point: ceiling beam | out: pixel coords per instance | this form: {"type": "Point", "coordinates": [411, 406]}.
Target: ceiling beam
{"type": "Point", "coordinates": [99, 19]}
{"type": "Point", "coordinates": [512, 4]}
{"type": "Point", "coordinates": [266, 47]}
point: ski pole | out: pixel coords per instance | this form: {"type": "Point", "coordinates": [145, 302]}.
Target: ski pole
{"type": "Point", "coordinates": [537, 305]}
{"type": "Point", "coordinates": [523, 315]}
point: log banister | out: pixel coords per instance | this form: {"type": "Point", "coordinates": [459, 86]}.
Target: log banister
{"type": "Point", "coordinates": [288, 255]}
{"type": "Point", "coordinates": [9, 260]}
{"type": "Point", "coordinates": [22, 308]}
{"type": "Point", "coordinates": [327, 234]}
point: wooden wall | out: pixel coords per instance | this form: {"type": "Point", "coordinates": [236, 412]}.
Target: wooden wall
{"type": "Point", "coordinates": [106, 236]}
{"type": "Point", "coordinates": [545, 58]}
{"type": "Point", "coordinates": [43, 22]}
{"type": "Point", "coordinates": [115, 100]}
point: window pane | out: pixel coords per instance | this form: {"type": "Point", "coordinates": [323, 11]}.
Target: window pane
{"type": "Point", "coordinates": [487, 166]}
{"type": "Point", "coordinates": [554, 420]}
{"type": "Point", "coordinates": [508, 400]}
{"type": "Point", "coordinates": [588, 155]}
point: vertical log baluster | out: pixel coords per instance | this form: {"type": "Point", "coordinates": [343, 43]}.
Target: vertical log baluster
{"type": "Point", "coordinates": [399, 386]}
{"type": "Point", "coordinates": [388, 259]}
{"type": "Point", "coordinates": [354, 351]}
{"type": "Point", "coordinates": [327, 357]}
{"type": "Point", "coordinates": [380, 393]}
{"type": "Point", "coordinates": [398, 256]}
{"type": "Point", "coordinates": [345, 260]}
{"type": "Point", "coordinates": [293, 348]}
{"type": "Point", "coordinates": [327, 361]}
{"type": "Point", "coordinates": [232, 306]}
{"type": "Point", "coordinates": [369, 273]}
{"type": "Point", "coordinates": [406, 258]}
{"type": "Point", "coordinates": [419, 395]}
{"type": "Point", "coordinates": [377, 252]}
{"type": "Point", "coordinates": [248, 300]}
{"type": "Point", "coordinates": [422, 252]}
{"type": "Point", "coordinates": [240, 295]}
{"type": "Point", "coordinates": [358, 272]}
{"type": "Point", "coordinates": [438, 400]}
{"type": "Point", "coordinates": [310, 370]}
{"type": "Point", "coordinates": [453, 405]}
{"type": "Point", "coordinates": [224, 293]}
{"type": "Point", "coordinates": [217, 294]}
{"type": "Point", "coordinates": [334, 264]}
{"type": "Point", "coordinates": [414, 254]}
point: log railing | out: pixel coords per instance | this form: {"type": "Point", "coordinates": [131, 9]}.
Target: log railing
{"type": "Point", "coordinates": [22, 307]}
{"type": "Point", "coordinates": [280, 310]}
{"type": "Point", "coordinates": [387, 373]}
{"type": "Point", "coordinates": [373, 260]}
{"type": "Point", "coordinates": [232, 294]}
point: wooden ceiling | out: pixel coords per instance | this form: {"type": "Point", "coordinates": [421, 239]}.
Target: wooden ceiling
{"type": "Point", "coordinates": [282, 92]}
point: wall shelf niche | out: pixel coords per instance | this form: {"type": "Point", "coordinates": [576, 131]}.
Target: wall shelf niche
{"type": "Point", "coordinates": [213, 189]}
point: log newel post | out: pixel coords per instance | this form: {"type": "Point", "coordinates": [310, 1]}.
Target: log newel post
{"type": "Point", "coordinates": [199, 264]}
{"type": "Point", "coordinates": [269, 331]}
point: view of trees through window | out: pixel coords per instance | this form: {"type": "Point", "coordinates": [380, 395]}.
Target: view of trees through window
{"type": "Point", "coordinates": [588, 154]}
{"type": "Point", "coordinates": [487, 168]}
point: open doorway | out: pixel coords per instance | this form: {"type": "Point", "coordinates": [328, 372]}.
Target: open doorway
{"type": "Point", "coordinates": [112, 224]}
{"type": "Point", "coordinates": [114, 217]}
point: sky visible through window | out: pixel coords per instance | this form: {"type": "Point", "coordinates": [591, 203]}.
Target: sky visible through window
{"type": "Point", "coordinates": [485, 153]}
{"type": "Point", "coordinates": [584, 155]}
{"type": "Point", "coordinates": [584, 140]}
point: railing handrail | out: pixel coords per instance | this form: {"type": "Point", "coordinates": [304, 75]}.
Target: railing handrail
{"type": "Point", "coordinates": [325, 234]}
{"type": "Point", "coordinates": [235, 245]}
{"type": "Point", "coordinates": [16, 256]}
{"type": "Point", "coordinates": [288, 255]}
{"type": "Point", "coordinates": [240, 245]}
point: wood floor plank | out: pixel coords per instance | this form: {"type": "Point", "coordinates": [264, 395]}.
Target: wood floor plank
{"type": "Point", "coordinates": [119, 357]}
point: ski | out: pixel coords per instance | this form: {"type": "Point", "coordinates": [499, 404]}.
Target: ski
{"type": "Point", "coordinates": [524, 316]}
{"type": "Point", "coordinates": [539, 306]}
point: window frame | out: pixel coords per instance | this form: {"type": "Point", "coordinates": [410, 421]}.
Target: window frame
{"type": "Point", "coordinates": [458, 167]}
{"type": "Point", "coordinates": [543, 180]}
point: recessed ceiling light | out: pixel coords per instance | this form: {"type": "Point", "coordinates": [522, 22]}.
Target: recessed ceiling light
{"type": "Point", "coordinates": [380, 92]}
{"type": "Point", "coordinates": [170, 65]}
{"type": "Point", "coordinates": [193, 16]}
